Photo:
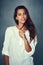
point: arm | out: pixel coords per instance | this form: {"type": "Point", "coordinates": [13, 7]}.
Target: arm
{"type": "Point", "coordinates": [26, 43]}
{"type": "Point", "coordinates": [32, 45]}
{"type": "Point", "coordinates": [5, 51]}
{"type": "Point", "coordinates": [27, 46]}
{"type": "Point", "coordinates": [6, 59]}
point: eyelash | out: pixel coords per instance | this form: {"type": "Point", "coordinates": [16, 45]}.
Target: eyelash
{"type": "Point", "coordinates": [20, 14]}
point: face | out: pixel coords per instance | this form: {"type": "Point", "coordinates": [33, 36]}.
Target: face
{"type": "Point", "coordinates": [21, 16]}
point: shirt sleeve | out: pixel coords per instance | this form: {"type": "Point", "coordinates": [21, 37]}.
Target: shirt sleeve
{"type": "Point", "coordinates": [32, 45]}
{"type": "Point", "coordinates": [5, 50]}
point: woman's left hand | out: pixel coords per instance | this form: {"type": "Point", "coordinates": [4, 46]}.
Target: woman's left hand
{"type": "Point", "coordinates": [21, 33]}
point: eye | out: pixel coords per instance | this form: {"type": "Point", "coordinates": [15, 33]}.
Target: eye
{"type": "Point", "coordinates": [19, 14]}
{"type": "Point", "coordinates": [24, 13]}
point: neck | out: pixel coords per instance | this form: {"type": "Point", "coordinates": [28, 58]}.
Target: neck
{"type": "Point", "coordinates": [19, 26]}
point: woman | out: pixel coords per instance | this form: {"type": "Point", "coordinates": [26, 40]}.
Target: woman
{"type": "Point", "coordinates": [20, 40]}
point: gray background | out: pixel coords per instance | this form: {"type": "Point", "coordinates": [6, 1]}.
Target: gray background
{"type": "Point", "coordinates": [35, 8]}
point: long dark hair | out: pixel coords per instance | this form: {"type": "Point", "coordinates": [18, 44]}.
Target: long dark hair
{"type": "Point", "coordinates": [28, 24]}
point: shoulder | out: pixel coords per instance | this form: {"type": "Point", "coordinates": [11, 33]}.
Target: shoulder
{"type": "Point", "coordinates": [9, 30]}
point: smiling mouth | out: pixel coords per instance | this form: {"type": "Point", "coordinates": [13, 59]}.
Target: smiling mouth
{"type": "Point", "coordinates": [23, 19]}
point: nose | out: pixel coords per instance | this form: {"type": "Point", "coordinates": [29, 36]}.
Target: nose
{"type": "Point", "coordinates": [22, 16]}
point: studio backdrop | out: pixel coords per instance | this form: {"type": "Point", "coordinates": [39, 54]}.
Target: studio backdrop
{"type": "Point", "coordinates": [35, 8]}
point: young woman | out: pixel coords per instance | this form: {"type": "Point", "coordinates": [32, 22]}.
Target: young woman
{"type": "Point", "coordinates": [20, 40]}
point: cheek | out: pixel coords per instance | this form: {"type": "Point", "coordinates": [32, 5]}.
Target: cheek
{"type": "Point", "coordinates": [18, 18]}
{"type": "Point", "coordinates": [25, 17]}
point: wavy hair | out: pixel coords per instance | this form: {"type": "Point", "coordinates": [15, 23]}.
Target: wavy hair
{"type": "Point", "coordinates": [28, 24]}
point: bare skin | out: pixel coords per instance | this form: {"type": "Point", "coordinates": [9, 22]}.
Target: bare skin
{"type": "Point", "coordinates": [21, 17]}
{"type": "Point", "coordinates": [6, 59]}
{"type": "Point", "coordinates": [26, 43]}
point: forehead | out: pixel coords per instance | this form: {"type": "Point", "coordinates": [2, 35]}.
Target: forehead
{"type": "Point", "coordinates": [21, 10]}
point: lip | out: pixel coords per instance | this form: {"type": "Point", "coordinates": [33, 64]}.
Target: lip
{"type": "Point", "coordinates": [23, 19]}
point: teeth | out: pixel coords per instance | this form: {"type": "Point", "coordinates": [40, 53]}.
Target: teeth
{"type": "Point", "coordinates": [22, 20]}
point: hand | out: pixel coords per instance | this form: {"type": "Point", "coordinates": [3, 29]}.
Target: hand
{"type": "Point", "coordinates": [21, 33]}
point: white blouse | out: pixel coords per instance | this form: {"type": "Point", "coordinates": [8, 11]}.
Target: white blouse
{"type": "Point", "coordinates": [14, 47]}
